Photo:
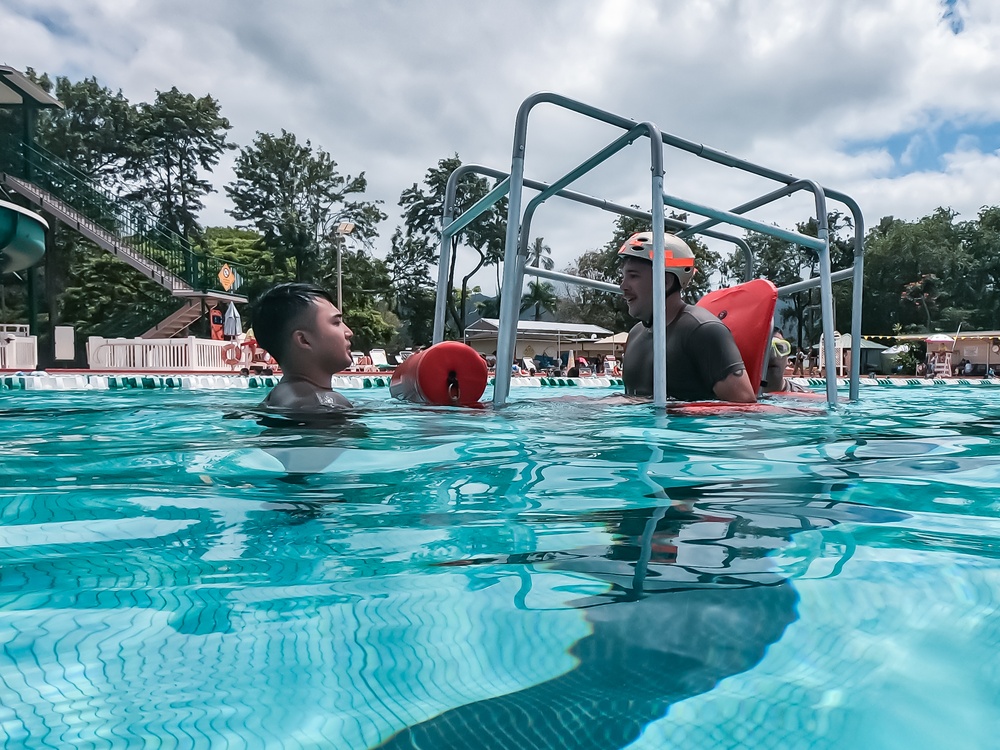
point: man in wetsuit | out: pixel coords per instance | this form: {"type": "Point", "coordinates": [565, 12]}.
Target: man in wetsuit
{"type": "Point", "coordinates": [703, 361]}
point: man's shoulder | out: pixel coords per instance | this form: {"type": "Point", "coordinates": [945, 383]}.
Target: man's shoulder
{"type": "Point", "coordinates": [637, 330]}
{"type": "Point", "coordinates": [701, 316]}
{"type": "Point", "coordinates": [302, 396]}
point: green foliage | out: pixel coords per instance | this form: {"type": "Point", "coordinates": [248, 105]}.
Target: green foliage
{"type": "Point", "coordinates": [540, 254]}
{"type": "Point", "coordinates": [96, 132]}
{"type": "Point", "coordinates": [423, 207]}
{"type": "Point", "coordinates": [785, 263]}
{"type": "Point", "coordinates": [106, 297]}
{"type": "Point", "coordinates": [366, 290]}
{"type": "Point", "coordinates": [541, 296]}
{"type": "Point", "coordinates": [899, 254]}
{"type": "Point", "coordinates": [412, 290]}
{"type": "Point", "coordinates": [294, 197]}
{"type": "Point", "coordinates": [177, 137]}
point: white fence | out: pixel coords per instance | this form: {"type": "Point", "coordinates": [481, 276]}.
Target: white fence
{"type": "Point", "coordinates": [18, 350]}
{"type": "Point", "coordinates": [174, 355]}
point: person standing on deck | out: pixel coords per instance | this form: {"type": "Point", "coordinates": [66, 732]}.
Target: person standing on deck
{"type": "Point", "coordinates": [703, 361]}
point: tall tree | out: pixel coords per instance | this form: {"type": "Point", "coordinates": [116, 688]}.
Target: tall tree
{"type": "Point", "coordinates": [540, 254]}
{"type": "Point", "coordinates": [294, 197]}
{"type": "Point", "coordinates": [899, 254]}
{"type": "Point", "coordinates": [178, 138]}
{"type": "Point", "coordinates": [413, 292]}
{"type": "Point", "coordinates": [423, 207]}
{"type": "Point", "coordinates": [540, 295]}
{"type": "Point", "coordinates": [976, 297]}
{"type": "Point", "coordinates": [367, 290]}
{"type": "Point", "coordinates": [95, 131]}
{"type": "Point", "coordinates": [783, 263]}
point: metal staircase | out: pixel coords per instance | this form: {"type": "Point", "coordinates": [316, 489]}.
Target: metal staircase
{"type": "Point", "coordinates": [178, 320]}
{"type": "Point", "coordinates": [127, 232]}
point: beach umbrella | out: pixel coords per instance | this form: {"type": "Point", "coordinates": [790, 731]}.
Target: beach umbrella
{"type": "Point", "coordinates": [232, 324]}
{"type": "Point", "coordinates": [939, 338]}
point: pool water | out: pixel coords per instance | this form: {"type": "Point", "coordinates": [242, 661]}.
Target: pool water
{"type": "Point", "coordinates": [553, 575]}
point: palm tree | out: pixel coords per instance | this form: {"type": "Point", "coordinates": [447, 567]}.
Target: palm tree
{"type": "Point", "coordinates": [539, 254]}
{"type": "Point", "coordinates": [541, 295]}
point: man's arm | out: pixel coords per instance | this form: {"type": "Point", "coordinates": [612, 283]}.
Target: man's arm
{"type": "Point", "coordinates": [735, 387]}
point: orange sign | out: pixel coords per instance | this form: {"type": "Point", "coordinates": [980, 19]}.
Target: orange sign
{"type": "Point", "coordinates": [226, 277]}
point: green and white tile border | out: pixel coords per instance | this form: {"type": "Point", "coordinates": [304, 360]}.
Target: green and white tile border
{"type": "Point", "coordinates": [84, 382]}
{"type": "Point", "coordinates": [898, 382]}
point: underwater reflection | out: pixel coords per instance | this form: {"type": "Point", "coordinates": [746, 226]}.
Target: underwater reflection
{"type": "Point", "coordinates": [693, 598]}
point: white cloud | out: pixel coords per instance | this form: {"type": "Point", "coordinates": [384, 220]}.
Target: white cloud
{"type": "Point", "coordinates": [389, 88]}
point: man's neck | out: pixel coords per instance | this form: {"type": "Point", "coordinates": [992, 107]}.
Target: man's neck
{"type": "Point", "coordinates": [318, 380]}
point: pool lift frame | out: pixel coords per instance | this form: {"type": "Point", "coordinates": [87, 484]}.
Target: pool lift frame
{"type": "Point", "coordinates": [518, 231]}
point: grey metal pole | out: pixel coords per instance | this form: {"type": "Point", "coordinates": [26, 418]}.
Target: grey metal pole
{"type": "Point", "coordinates": [600, 203]}
{"type": "Point", "coordinates": [441, 299]}
{"type": "Point", "coordinates": [569, 278]}
{"type": "Point", "coordinates": [659, 273]}
{"type": "Point", "coordinates": [801, 286]}
{"type": "Point", "coordinates": [826, 307]}
{"type": "Point", "coordinates": [512, 282]}
{"type": "Point", "coordinates": [340, 291]}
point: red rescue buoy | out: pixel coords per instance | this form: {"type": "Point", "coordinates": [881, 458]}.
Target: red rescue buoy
{"type": "Point", "coordinates": [448, 374]}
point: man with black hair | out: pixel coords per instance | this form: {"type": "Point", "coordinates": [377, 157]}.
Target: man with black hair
{"type": "Point", "coordinates": [703, 361]}
{"type": "Point", "coordinates": [300, 327]}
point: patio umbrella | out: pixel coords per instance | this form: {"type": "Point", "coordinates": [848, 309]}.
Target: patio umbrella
{"type": "Point", "coordinates": [939, 338]}
{"type": "Point", "coordinates": [232, 324]}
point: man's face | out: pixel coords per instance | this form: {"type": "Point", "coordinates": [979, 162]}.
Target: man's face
{"type": "Point", "coordinates": [328, 336]}
{"type": "Point", "coordinates": [637, 288]}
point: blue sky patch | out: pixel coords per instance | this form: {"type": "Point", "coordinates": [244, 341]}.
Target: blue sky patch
{"type": "Point", "coordinates": [56, 24]}
{"type": "Point", "coordinates": [952, 15]}
{"type": "Point", "coordinates": [921, 150]}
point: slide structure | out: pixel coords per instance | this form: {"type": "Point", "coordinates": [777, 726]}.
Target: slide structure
{"type": "Point", "coordinates": [22, 237]}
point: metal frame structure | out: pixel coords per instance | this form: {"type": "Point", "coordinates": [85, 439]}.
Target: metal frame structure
{"type": "Point", "coordinates": [519, 223]}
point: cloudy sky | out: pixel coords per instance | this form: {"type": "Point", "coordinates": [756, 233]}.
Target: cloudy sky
{"type": "Point", "coordinates": [895, 103]}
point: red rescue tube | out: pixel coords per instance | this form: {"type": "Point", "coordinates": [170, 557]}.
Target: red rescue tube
{"type": "Point", "coordinates": [448, 374]}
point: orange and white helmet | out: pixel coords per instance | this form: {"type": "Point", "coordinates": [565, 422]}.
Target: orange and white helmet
{"type": "Point", "coordinates": [679, 257]}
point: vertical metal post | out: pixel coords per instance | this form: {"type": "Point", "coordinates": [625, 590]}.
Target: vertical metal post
{"type": "Point", "coordinates": [512, 282]}
{"type": "Point", "coordinates": [659, 296]}
{"type": "Point", "coordinates": [659, 271]}
{"type": "Point", "coordinates": [826, 308]}
{"type": "Point", "coordinates": [444, 262]}
{"type": "Point", "coordinates": [340, 290]}
{"type": "Point", "coordinates": [32, 301]}
{"type": "Point", "coordinates": [857, 289]}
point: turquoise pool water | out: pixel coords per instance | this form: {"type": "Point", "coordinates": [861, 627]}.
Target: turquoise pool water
{"type": "Point", "coordinates": [555, 575]}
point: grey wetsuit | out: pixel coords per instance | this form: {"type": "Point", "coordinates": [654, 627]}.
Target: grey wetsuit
{"type": "Point", "coordinates": [700, 353]}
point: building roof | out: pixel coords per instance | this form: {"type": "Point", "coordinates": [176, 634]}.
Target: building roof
{"type": "Point", "coordinates": [17, 90]}
{"type": "Point", "coordinates": [490, 326]}
{"type": "Point", "coordinates": [923, 336]}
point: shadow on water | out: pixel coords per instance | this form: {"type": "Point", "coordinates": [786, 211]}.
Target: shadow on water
{"type": "Point", "coordinates": [693, 598]}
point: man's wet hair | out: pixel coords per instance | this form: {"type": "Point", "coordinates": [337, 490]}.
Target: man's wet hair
{"type": "Point", "coordinates": [276, 312]}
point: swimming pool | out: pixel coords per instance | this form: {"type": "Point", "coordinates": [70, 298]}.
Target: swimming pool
{"type": "Point", "coordinates": [571, 575]}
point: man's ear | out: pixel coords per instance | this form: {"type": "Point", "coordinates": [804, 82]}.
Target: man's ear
{"type": "Point", "coordinates": [300, 338]}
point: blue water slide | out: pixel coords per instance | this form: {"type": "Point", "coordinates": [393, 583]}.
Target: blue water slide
{"type": "Point", "coordinates": [22, 237]}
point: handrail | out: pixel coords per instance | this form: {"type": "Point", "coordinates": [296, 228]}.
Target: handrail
{"type": "Point", "coordinates": [125, 223]}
